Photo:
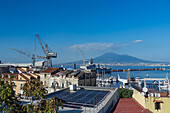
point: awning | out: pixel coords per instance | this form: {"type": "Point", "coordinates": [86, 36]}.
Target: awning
{"type": "Point", "coordinates": [160, 101]}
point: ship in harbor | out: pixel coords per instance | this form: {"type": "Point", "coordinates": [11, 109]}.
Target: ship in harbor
{"type": "Point", "coordinates": [91, 66]}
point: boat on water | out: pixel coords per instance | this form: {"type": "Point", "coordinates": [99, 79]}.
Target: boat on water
{"type": "Point", "coordinates": [166, 85]}
{"type": "Point", "coordinates": [124, 81]}
{"type": "Point", "coordinates": [103, 70]}
{"type": "Point", "coordinates": [138, 81]}
{"type": "Point", "coordinates": [155, 82]}
{"type": "Point", "coordinates": [100, 69]}
{"type": "Point", "coordinates": [113, 79]}
{"type": "Point", "coordinates": [137, 78]}
{"type": "Point", "coordinates": [132, 79]}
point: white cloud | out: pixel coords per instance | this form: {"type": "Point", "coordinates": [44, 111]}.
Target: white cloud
{"type": "Point", "coordinates": [96, 46]}
{"type": "Point", "coordinates": [137, 41]}
{"type": "Point", "coordinates": [103, 46]}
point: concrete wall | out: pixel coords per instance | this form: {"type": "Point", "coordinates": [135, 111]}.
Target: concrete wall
{"type": "Point", "coordinates": [165, 106]}
{"type": "Point", "coordinates": [149, 103]}
{"type": "Point", "coordinates": [111, 102]}
{"type": "Point", "coordinates": [64, 82]}
{"type": "Point", "coordinates": [44, 79]}
{"type": "Point", "coordinates": [140, 98]}
{"type": "Point", "coordinates": [87, 82]}
{"type": "Point", "coordinates": [18, 86]}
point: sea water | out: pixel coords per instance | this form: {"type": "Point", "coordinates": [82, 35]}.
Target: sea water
{"type": "Point", "coordinates": [141, 74]}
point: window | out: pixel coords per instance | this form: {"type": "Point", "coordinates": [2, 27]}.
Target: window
{"type": "Point", "coordinates": [157, 105]}
{"type": "Point", "coordinates": [20, 78]}
{"type": "Point", "coordinates": [2, 76]}
{"type": "Point", "coordinates": [21, 92]}
{"type": "Point", "coordinates": [44, 83]}
{"type": "Point", "coordinates": [45, 75]}
{"type": "Point", "coordinates": [21, 85]}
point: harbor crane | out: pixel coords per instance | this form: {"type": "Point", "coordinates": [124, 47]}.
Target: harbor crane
{"type": "Point", "coordinates": [47, 51]}
{"type": "Point", "coordinates": [28, 55]}
{"type": "Point", "coordinates": [83, 55]}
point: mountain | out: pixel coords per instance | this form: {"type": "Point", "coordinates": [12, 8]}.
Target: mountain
{"type": "Point", "coordinates": [116, 58]}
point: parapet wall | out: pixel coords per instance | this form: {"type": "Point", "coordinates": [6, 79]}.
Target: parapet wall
{"type": "Point", "coordinates": [109, 102]}
{"type": "Point", "coordinates": [139, 97]}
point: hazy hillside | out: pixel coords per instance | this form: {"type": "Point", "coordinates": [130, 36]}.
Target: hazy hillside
{"type": "Point", "coordinates": [116, 58]}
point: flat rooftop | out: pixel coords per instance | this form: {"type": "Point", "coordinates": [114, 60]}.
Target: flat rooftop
{"type": "Point", "coordinates": [81, 97]}
{"type": "Point", "coordinates": [129, 105]}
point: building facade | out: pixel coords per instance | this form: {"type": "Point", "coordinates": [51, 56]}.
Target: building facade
{"type": "Point", "coordinates": [19, 78]}
{"type": "Point", "coordinates": [155, 102]}
{"type": "Point", "coordinates": [57, 78]}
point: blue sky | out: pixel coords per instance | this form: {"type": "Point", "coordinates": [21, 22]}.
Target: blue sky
{"type": "Point", "coordinates": [133, 27]}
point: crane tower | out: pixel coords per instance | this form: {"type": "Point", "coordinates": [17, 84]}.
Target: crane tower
{"type": "Point", "coordinates": [47, 51]}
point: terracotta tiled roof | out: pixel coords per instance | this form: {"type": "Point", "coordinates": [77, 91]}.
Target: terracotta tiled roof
{"type": "Point", "coordinates": [56, 75]}
{"type": "Point", "coordinates": [34, 74]}
{"type": "Point", "coordinates": [50, 70]}
{"type": "Point", "coordinates": [6, 74]}
{"type": "Point", "coordinates": [30, 75]}
{"type": "Point", "coordinates": [23, 76]}
{"type": "Point", "coordinates": [129, 105]}
{"type": "Point", "coordinates": [164, 94]}
{"type": "Point", "coordinates": [30, 69]}
{"type": "Point", "coordinates": [22, 70]}
{"type": "Point", "coordinates": [37, 74]}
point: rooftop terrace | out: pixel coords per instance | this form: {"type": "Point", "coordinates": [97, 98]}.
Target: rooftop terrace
{"type": "Point", "coordinates": [81, 97]}
{"type": "Point", "coordinates": [87, 99]}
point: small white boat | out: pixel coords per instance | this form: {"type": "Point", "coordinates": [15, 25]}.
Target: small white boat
{"type": "Point", "coordinates": [155, 82]}
{"type": "Point", "coordinates": [114, 79]}
{"type": "Point", "coordinates": [160, 82]}
{"type": "Point", "coordinates": [165, 87]}
{"type": "Point", "coordinates": [137, 78]}
{"type": "Point", "coordinates": [124, 81]}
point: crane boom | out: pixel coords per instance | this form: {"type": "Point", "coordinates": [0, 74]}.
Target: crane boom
{"type": "Point", "coordinates": [40, 43]}
{"type": "Point", "coordinates": [19, 51]}
{"type": "Point", "coordinates": [83, 55]}
{"type": "Point", "coordinates": [24, 53]}
{"type": "Point", "coordinates": [47, 52]}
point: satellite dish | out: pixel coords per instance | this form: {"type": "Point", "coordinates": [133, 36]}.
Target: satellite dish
{"type": "Point", "coordinates": [145, 89]}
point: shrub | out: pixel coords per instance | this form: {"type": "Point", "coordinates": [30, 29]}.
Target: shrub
{"type": "Point", "coordinates": [125, 93]}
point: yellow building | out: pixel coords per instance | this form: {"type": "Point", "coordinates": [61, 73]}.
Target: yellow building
{"type": "Point", "coordinates": [155, 101]}
{"type": "Point", "coordinates": [20, 78]}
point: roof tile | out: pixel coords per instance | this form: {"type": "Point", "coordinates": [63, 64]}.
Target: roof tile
{"type": "Point", "coordinates": [50, 70]}
{"type": "Point", "coordinates": [129, 105]}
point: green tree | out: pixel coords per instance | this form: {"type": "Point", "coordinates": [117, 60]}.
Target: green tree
{"type": "Point", "coordinates": [9, 102]}
{"type": "Point", "coordinates": [125, 93]}
{"type": "Point", "coordinates": [37, 90]}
